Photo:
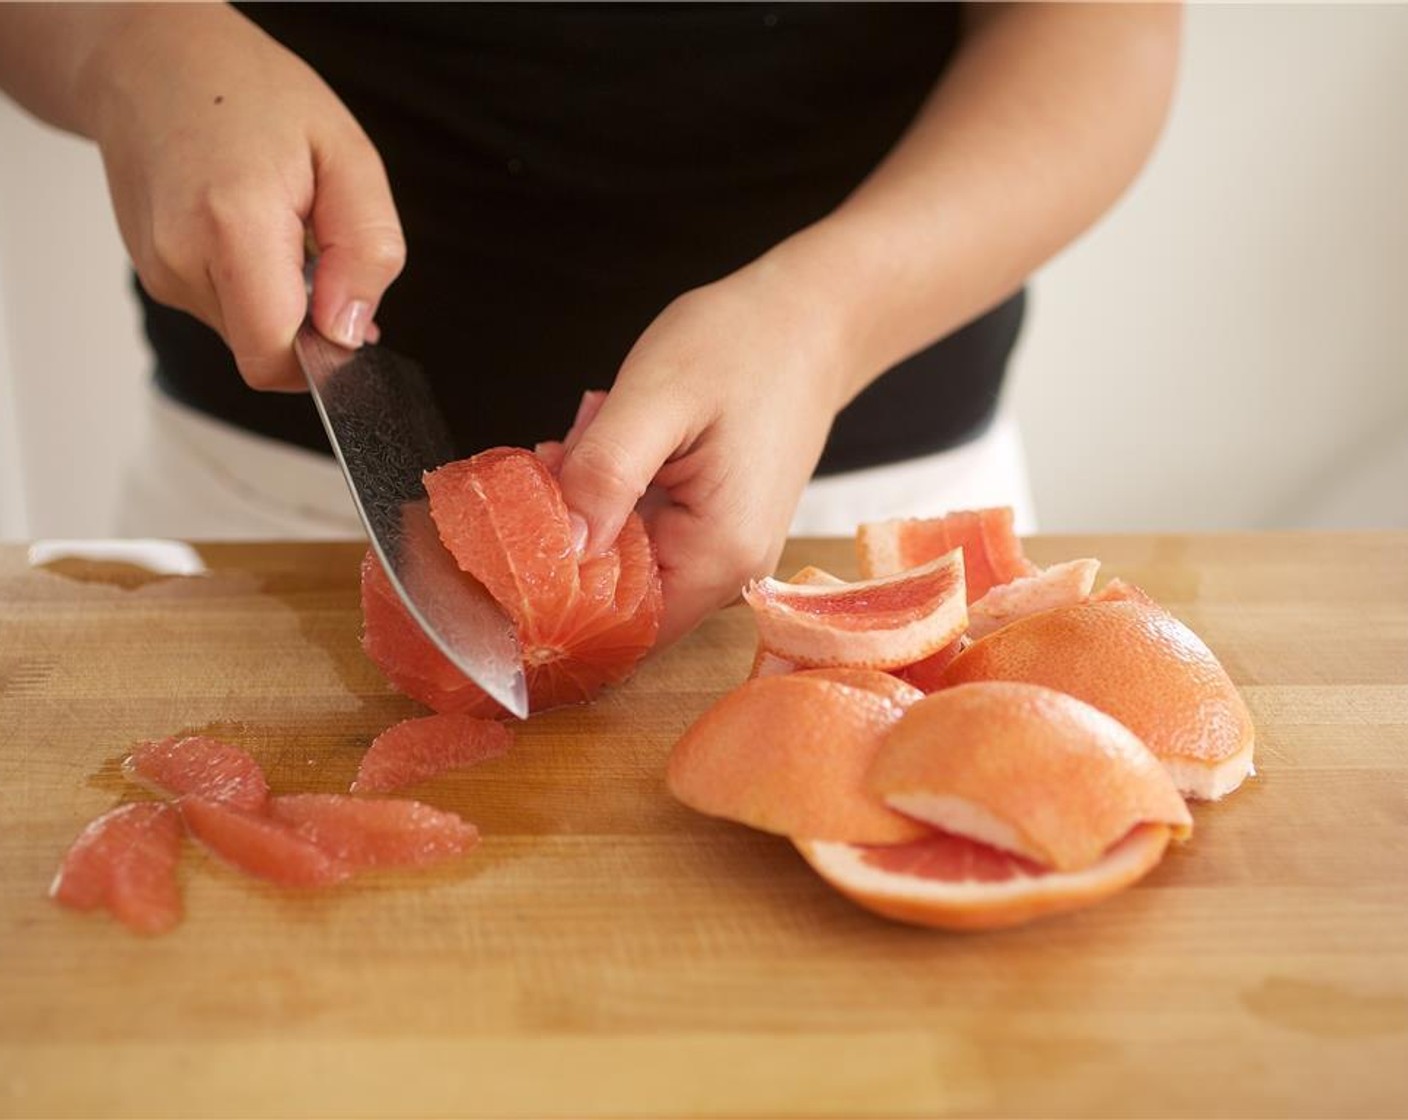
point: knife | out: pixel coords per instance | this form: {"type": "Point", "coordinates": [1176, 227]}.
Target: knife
{"type": "Point", "coordinates": [386, 431]}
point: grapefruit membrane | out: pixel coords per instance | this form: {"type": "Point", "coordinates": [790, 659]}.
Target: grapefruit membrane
{"type": "Point", "coordinates": [992, 553]}
{"type": "Point", "coordinates": [1060, 585]}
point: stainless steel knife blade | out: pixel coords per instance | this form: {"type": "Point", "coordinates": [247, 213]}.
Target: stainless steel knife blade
{"type": "Point", "coordinates": [386, 431]}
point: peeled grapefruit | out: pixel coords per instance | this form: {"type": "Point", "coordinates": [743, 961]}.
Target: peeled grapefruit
{"type": "Point", "coordinates": [788, 754]}
{"type": "Point", "coordinates": [1142, 666]}
{"type": "Point", "coordinates": [581, 625]}
{"type": "Point", "coordinates": [126, 861]}
{"type": "Point", "coordinates": [1025, 769]}
{"type": "Point", "coordinates": [202, 766]}
{"type": "Point", "coordinates": [415, 750]}
{"type": "Point", "coordinates": [880, 623]}
{"type": "Point", "coordinates": [992, 554]}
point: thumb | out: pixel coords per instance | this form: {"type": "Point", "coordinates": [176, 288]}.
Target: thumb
{"type": "Point", "coordinates": [613, 460]}
{"type": "Point", "coordinates": [360, 244]}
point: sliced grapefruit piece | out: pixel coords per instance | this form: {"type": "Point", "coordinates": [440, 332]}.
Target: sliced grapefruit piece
{"type": "Point", "coordinates": [361, 834]}
{"type": "Point", "coordinates": [126, 861]}
{"type": "Point", "coordinates": [954, 883]}
{"type": "Point", "coordinates": [415, 750]}
{"type": "Point", "coordinates": [874, 624]}
{"type": "Point", "coordinates": [260, 846]}
{"type": "Point", "coordinates": [1142, 666]}
{"type": "Point", "coordinates": [202, 766]}
{"type": "Point", "coordinates": [1061, 585]}
{"type": "Point", "coordinates": [1024, 769]}
{"type": "Point", "coordinates": [992, 553]}
{"type": "Point", "coordinates": [788, 755]}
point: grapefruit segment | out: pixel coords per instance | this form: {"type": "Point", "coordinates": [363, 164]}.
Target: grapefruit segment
{"type": "Point", "coordinates": [1140, 665]}
{"type": "Point", "coordinates": [394, 641]}
{"type": "Point", "coordinates": [788, 754]}
{"type": "Point", "coordinates": [877, 624]}
{"type": "Point", "coordinates": [1060, 585]}
{"type": "Point", "coordinates": [201, 766]}
{"type": "Point", "coordinates": [1025, 769]}
{"type": "Point", "coordinates": [126, 861]}
{"type": "Point", "coordinates": [501, 515]}
{"type": "Point", "coordinates": [992, 553]}
{"type": "Point", "coordinates": [945, 882]}
{"type": "Point", "coordinates": [415, 750]}
{"type": "Point", "coordinates": [260, 846]}
{"type": "Point", "coordinates": [362, 834]}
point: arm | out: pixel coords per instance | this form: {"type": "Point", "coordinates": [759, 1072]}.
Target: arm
{"type": "Point", "coordinates": [221, 148]}
{"type": "Point", "coordinates": [1045, 115]}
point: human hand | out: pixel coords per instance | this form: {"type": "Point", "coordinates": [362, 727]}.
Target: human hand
{"type": "Point", "coordinates": [721, 409]}
{"type": "Point", "coordinates": [221, 149]}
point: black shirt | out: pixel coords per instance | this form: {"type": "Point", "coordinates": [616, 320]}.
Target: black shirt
{"type": "Point", "coordinates": [562, 172]}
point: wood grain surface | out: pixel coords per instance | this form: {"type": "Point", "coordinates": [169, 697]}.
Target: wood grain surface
{"type": "Point", "coordinates": [606, 951]}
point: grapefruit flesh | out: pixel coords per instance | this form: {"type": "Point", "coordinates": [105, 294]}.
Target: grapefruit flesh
{"type": "Point", "coordinates": [788, 754]}
{"type": "Point", "coordinates": [201, 766]}
{"type": "Point", "coordinates": [992, 554]}
{"type": "Point", "coordinates": [125, 861]}
{"type": "Point", "coordinates": [1140, 665]}
{"type": "Point", "coordinates": [501, 515]}
{"type": "Point", "coordinates": [881, 623]}
{"type": "Point", "coordinates": [361, 834]}
{"type": "Point", "coordinates": [948, 882]}
{"type": "Point", "coordinates": [411, 661]}
{"type": "Point", "coordinates": [260, 845]}
{"type": "Point", "coordinates": [416, 750]}
{"type": "Point", "coordinates": [1061, 585]}
{"type": "Point", "coordinates": [1026, 769]}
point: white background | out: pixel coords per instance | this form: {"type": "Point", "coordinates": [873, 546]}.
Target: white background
{"type": "Point", "coordinates": [1228, 349]}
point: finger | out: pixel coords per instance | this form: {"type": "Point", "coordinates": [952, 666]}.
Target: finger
{"type": "Point", "coordinates": [256, 274]}
{"type": "Point", "coordinates": [587, 410]}
{"type": "Point", "coordinates": [614, 459]}
{"type": "Point", "coordinates": [360, 244]}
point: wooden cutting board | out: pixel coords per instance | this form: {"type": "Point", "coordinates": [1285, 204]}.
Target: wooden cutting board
{"type": "Point", "coordinates": [606, 951]}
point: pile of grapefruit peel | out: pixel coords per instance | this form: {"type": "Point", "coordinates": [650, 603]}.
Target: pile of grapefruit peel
{"type": "Point", "coordinates": [581, 626]}
{"type": "Point", "coordinates": [963, 740]}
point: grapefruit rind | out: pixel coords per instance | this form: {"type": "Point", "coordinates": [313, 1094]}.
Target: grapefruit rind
{"type": "Point", "coordinates": [788, 755]}
{"type": "Point", "coordinates": [1026, 769]}
{"type": "Point", "coordinates": [882, 623]}
{"type": "Point", "coordinates": [969, 906]}
{"type": "Point", "coordinates": [1140, 665]}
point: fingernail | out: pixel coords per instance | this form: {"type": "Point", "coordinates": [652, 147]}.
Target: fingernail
{"type": "Point", "coordinates": [349, 329]}
{"type": "Point", "coordinates": [578, 524]}
{"type": "Point", "coordinates": [373, 334]}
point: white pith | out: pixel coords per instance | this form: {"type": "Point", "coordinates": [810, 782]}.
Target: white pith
{"type": "Point", "coordinates": [1202, 782]}
{"type": "Point", "coordinates": [962, 818]}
